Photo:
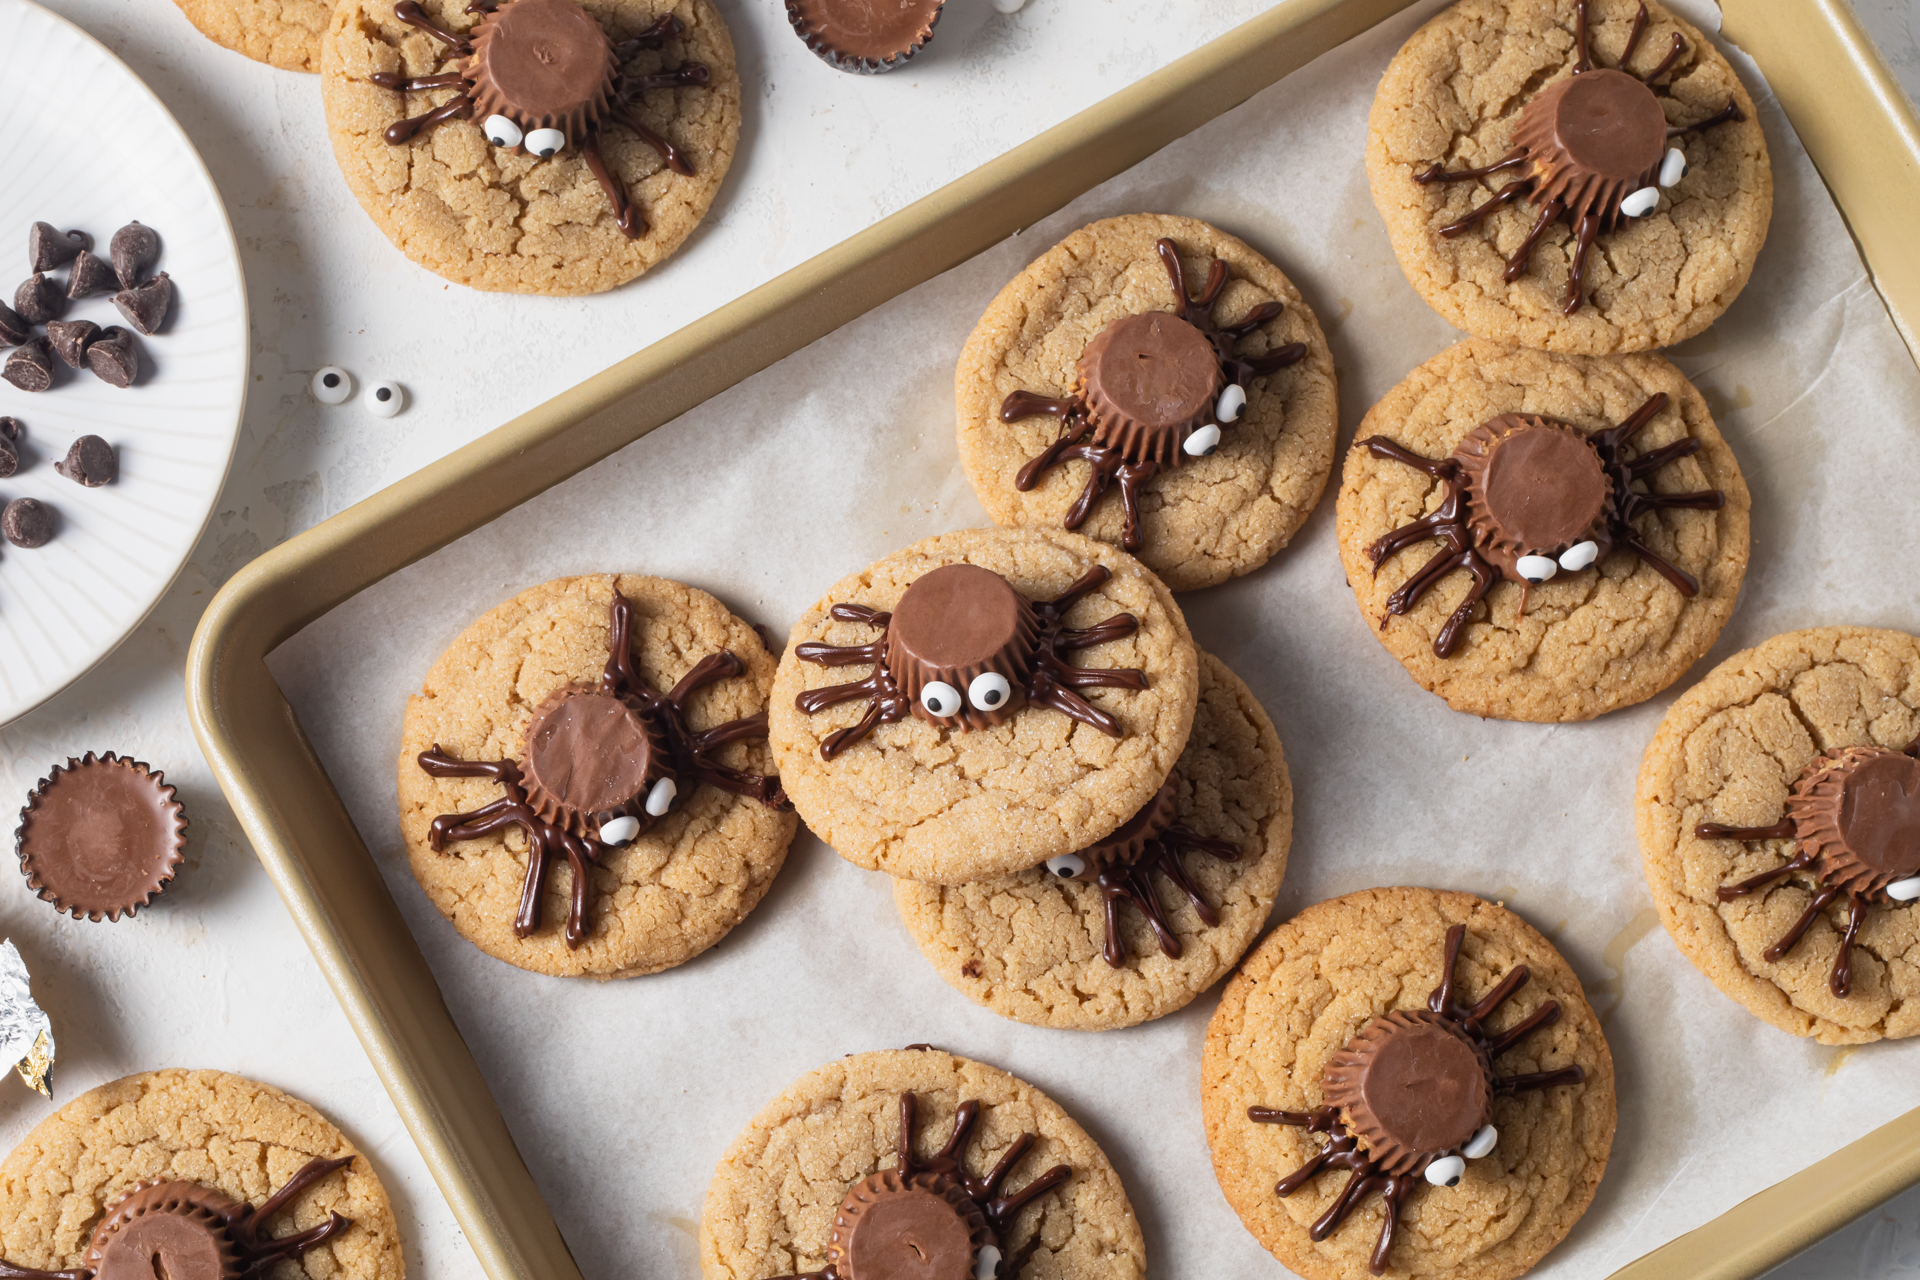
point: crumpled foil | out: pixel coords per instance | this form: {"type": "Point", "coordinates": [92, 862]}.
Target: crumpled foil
{"type": "Point", "coordinates": [26, 1033]}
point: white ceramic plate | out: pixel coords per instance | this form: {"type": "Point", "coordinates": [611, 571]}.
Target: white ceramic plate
{"type": "Point", "coordinates": [86, 145]}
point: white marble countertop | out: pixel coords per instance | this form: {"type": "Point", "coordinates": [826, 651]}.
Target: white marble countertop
{"type": "Point", "coordinates": [217, 976]}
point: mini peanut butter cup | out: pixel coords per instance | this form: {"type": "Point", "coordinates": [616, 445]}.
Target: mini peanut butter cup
{"type": "Point", "coordinates": [921, 1226]}
{"type": "Point", "coordinates": [173, 1229]}
{"type": "Point", "coordinates": [1858, 812]}
{"type": "Point", "coordinates": [1593, 138]}
{"type": "Point", "coordinates": [954, 625]}
{"type": "Point", "coordinates": [1410, 1086]}
{"type": "Point", "coordinates": [101, 836]}
{"type": "Point", "coordinates": [543, 64]}
{"type": "Point", "coordinates": [1533, 487]}
{"type": "Point", "coordinates": [588, 752]}
{"type": "Point", "coordinates": [864, 36]}
{"type": "Point", "coordinates": [1149, 380]}
{"type": "Point", "coordinates": [1129, 841]}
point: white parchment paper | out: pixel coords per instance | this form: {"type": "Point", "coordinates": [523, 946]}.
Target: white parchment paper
{"type": "Point", "coordinates": [622, 1096]}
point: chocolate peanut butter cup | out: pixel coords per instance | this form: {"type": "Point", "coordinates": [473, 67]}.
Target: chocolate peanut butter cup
{"type": "Point", "coordinates": [1533, 487]}
{"type": "Point", "coordinates": [1149, 380]}
{"type": "Point", "coordinates": [172, 1229]}
{"type": "Point", "coordinates": [588, 755]}
{"type": "Point", "coordinates": [1410, 1086]}
{"type": "Point", "coordinates": [1592, 140]}
{"type": "Point", "coordinates": [543, 64]}
{"type": "Point", "coordinates": [960, 626]}
{"type": "Point", "coordinates": [865, 36]}
{"type": "Point", "coordinates": [101, 836]}
{"type": "Point", "coordinates": [1858, 810]}
{"type": "Point", "coordinates": [919, 1226]}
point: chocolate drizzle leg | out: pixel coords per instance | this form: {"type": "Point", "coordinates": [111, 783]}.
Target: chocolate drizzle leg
{"type": "Point", "coordinates": [1584, 145]}
{"type": "Point", "coordinates": [1436, 1068]}
{"type": "Point", "coordinates": [1147, 385]}
{"type": "Point", "coordinates": [1854, 815]}
{"type": "Point", "coordinates": [598, 786]}
{"type": "Point", "coordinates": [1528, 495]}
{"type": "Point", "coordinates": [546, 67]}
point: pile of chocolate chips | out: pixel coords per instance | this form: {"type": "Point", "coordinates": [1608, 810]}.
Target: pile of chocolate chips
{"type": "Point", "coordinates": [28, 522]}
{"type": "Point", "coordinates": [111, 353]}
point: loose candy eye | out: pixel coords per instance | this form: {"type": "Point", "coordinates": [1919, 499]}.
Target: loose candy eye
{"type": "Point", "coordinates": [986, 1264]}
{"type": "Point", "coordinates": [1230, 404]}
{"type": "Point", "coordinates": [660, 799]}
{"type": "Point", "coordinates": [1641, 202]}
{"type": "Point", "coordinates": [384, 399]}
{"type": "Point", "coordinates": [1202, 442]}
{"type": "Point", "coordinates": [1579, 556]}
{"type": "Point", "coordinates": [940, 699]}
{"type": "Point", "coordinates": [545, 142]}
{"type": "Point", "coordinates": [1535, 569]}
{"type": "Point", "coordinates": [1673, 166]}
{"type": "Point", "coordinates": [618, 831]}
{"type": "Point", "coordinates": [502, 132]}
{"type": "Point", "coordinates": [332, 385]}
{"type": "Point", "coordinates": [1066, 865]}
{"type": "Point", "coordinates": [989, 692]}
{"type": "Point", "coordinates": [1447, 1171]}
{"type": "Point", "coordinates": [1904, 890]}
{"type": "Point", "coordinates": [1481, 1143]}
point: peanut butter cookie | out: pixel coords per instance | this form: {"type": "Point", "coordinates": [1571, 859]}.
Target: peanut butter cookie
{"type": "Point", "coordinates": [1779, 819]}
{"type": "Point", "coordinates": [280, 33]}
{"type": "Point", "coordinates": [1165, 359]}
{"type": "Point", "coordinates": [1016, 694]}
{"type": "Point", "coordinates": [1575, 175]}
{"type": "Point", "coordinates": [1087, 940]}
{"type": "Point", "coordinates": [1428, 1049]}
{"type": "Point", "coordinates": [1543, 537]}
{"type": "Point", "coordinates": [484, 167]}
{"type": "Point", "coordinates": [165, 1167]}
{"type": "Point", "coordinates": [582, 786]}
{"type": "Point", "coordinates": [920, 1150]}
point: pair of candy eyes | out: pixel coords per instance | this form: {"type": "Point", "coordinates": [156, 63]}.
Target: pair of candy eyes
{"type": "Point", "coordinates": [502, 132]}
{"type": "Point", "coordinates": [1448, 1170]}
{"type": "Point", "coordinates": [1673, 167]}
{"type": "Point", "coordinates": [1537, 569]}
{"type": "Point", "coordinates": [988, 692]}
{"type": "Point", "coordinates": [334, 385]}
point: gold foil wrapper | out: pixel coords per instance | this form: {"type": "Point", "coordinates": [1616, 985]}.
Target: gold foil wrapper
{"type": "Point", "coordinates": [26, 1033]}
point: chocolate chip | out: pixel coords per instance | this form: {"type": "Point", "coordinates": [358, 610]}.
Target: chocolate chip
{"type": "Point", "coordinates": [30, 368]}
{"type": "Point", "coordinates": [90, 462]}
{"type": "Point", "coordinates": [69, 339]}
{"type": "Point", "coordinates": [12, 430]}
{"type": "Point", "coordinates": [114, 357]}
{"type": "Point", "coordinates": [134, 249]}
{"type": "Point", "coordinates": [9, 457]}
{"type": "Point", "coordinates": [27, 522]}
{"type": "Point", "coordinates": [48, 246]}
{"type": "Point", "coordinates": [13, 330]}
{"type": "Point", "coordinates": [88, 277]}
{"type": "Point", "coordinates": [38, 299]}
{"type": "Point", "coordinates": [146, 306]}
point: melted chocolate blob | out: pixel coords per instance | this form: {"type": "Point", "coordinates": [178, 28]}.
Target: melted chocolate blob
{"type": "Point", "coordinates": [101, 836]}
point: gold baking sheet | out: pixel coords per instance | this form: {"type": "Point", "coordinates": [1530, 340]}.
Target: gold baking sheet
{"type": "Point", "coordinates": [1856, 127]}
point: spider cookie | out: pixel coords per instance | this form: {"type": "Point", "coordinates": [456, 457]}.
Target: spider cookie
{"type": "Point", "coordinates": [1152, 382]}
{"type": "Point", "coordinates": [1015, 695]}
{"type": "Point", "coordinates": [280, 33]}
{"type": "Point", "coordinates": [915, 1162]}
{"type": "Point", "coordinates": [1543, 537]}
{"type": "Point", "coordinates": [532, 146]}
{"type": "Point", "coordinates": [583, 789]}
{"type": "Point", "coordinates": [1576, 175]}
{"type": "Point", "coordinates": [1139, 923]}
{"type": "Point", "coordinates": [1407, 1082]}
{"type": "Point", "coordinates": [192, 1175]}
{"type": "Point", "coordinates": [1779, 817]}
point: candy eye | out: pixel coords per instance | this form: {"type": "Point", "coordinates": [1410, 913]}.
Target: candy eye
{"type": "Point", "coordinates": [1535, 569]}
{"type": "Point", "coordinates": [1641, 202]}
{"type": "Point", "coordinates": [989, 692]}
{"type": "Point", "coordinates": [332, 385]}
{"type": "Point", "coordinates": [1481, 1143]}
{"type": "Point", "coordinates": [384, 399]}
{"type": "Point", "coordinates": [1904, 890]}
{"type": "Point", "coordinates": [660, 799]}
{"type": "Point", "coordinates": [502, 132]}
{"type": "Point", "coordinates": [545, 142]}
{"type": "Point", "coordinates": [1446, 1171]}
{"type": "Point", "coordinates": [1673, 166]}
{"type": "Point", "coordinates": [618, 831]}
{"type": "Point", "coordinates": [1231, 402]}
{"type": "Point", "coordinates": [1202, 442]}
{"type": "Point", "coordinates": [1066, 865]}
{"type": "Point", "coordinates": [986, 1264]}
{"type": "Point", "coordinates": [940, 699]}
{"type": "Point", "coordinates": [1579, 555]}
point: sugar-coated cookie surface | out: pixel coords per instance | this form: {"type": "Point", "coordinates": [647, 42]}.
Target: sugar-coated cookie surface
{"type": "Point", "coordinates": [234, 1135]}
{"type": "Point", "coordinates": [1591, 641]}
{"type": "Point", "coordinates": [1211, 518]}
{"type": "Point", "coordinates": [1030, 946]}
{"type": "Point", "coordinates": [280, 33]}
{"type": "Point", "coordinates": [1453, 96]}
{"type": "Point", "coordinates": [502, 219]}
{"type": "Point", "coordinates": [1728, 752]}
{"type": "Point", "coordinates": [680, 885]}
{"type": "Point", "coordinates": [948, 806]}
{"type": "Point", "coordinates": [771, 1206]}
{"type": "Point", "coordinates": [1299, 999]}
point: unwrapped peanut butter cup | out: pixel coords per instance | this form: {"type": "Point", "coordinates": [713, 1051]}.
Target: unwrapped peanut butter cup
{"type": "Point", "coordinates": [101, 836]}
{"type": "Point", "coordinates": [865, 36]}
{"type": "Point", "coordinates": [920, 1226]}
{"type": "Point", "coordinates": [1534, 487]}
{"type": "Point", "coordinates": [1129, 841]}
{"type": "Point", "coordinates": [1410, 1086]}
{"type": "Point", "coordinates": [1858, 811]}
{"type": "Point", "coordinates": [588, 752]}
{"type": "Point", "coordinates": [1593, 139]}
{"type": "Point", "coordinates": [961, 645]}
{"type": "Point", "coordinates": [1149, 380]}
{"type": "Point", "coordinates": [543, 64]}
{"type": "Point", "coordinates": [177, 1230]}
